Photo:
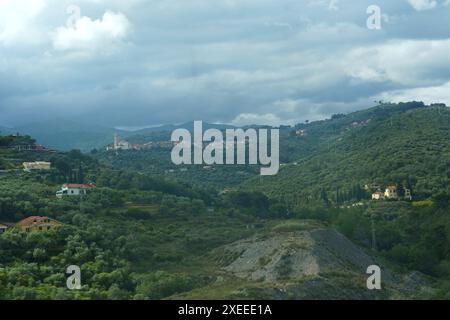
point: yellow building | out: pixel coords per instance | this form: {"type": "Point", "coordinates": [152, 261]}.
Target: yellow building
{"type": "Point", "coordinates": [391, 192]}
{"type": "Point", "coordinates": [38, 165]}
{"type": "Point", "coordinates": [36, 223]}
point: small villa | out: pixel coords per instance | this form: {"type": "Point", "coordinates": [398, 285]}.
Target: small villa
{"type": "Point", "coordinates": [391, 192]}
{"type": "Point", "coordinates": [36, 166]}
{"type": "Point", "coordinates": [37, 223]}
{"type": "Point", "coordinates": [71, 189]}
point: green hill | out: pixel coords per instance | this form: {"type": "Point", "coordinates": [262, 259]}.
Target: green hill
{"type": "Point", "coordinates": [406, 144]}
{"type": "Point", "coordinates": [342, 135]}
{"type": "Point", "coordinates": [143, 236]}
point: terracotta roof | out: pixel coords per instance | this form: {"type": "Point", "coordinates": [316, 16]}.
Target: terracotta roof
{"type": "Point", "coordinates": [31, 220]}
{"type": "Point", "coordinates": [78, 186]}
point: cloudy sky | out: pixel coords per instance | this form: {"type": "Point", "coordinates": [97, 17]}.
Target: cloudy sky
{"type": "Point", "coordinates": [147, 62]}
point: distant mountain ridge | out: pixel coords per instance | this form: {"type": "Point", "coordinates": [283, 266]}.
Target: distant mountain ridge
{"type": "Point", "coordinates": [64, 135]}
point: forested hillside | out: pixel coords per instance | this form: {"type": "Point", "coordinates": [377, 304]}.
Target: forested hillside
{"type": "Point", "coordinates": [143, 234]}
{"type": "Point", "coordinates": [405, 145]}
{"type": "Point", "coordinates": [134, 236]}
{"type": "Point", "coordinates": [386, 145]}
{"type": "Point", "coordinates": [377, 141]}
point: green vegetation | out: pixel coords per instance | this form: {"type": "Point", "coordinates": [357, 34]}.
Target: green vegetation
{"type": "Point", "coordinates": [147, 233]}
{"type": "Point", "coordinates": [157, 162]}
{"type": "Point", "coordinates": [378, 147]}
{"type": "Point", "coordinates": [134, 236]}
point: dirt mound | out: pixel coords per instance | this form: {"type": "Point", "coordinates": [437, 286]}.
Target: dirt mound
{"type": "Point", "coordinates": [316, 263]}
{"type": "Point", "coordinates": [295, 255]}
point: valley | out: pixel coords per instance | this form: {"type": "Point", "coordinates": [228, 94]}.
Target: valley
{"type": "Point", "coordinates": [149, 230]}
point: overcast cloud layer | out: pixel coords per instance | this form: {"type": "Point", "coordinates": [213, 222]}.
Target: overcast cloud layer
{"type": "Point", "coordinates": [136, 62]}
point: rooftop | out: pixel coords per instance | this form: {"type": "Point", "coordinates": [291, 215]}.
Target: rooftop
{"type": "Point", "coordinates": [32, 220]}
{"type": "Point", "coordinates": [78, 186]}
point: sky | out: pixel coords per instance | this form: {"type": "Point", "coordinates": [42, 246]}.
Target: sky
{"type": "Point", "coordinates": [139, 63]}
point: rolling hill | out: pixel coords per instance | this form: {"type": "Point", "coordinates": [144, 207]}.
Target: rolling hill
{"type": "Point", "coordinates": [153, 238]}
{"type": "Point", "coordinates": [406, 144]}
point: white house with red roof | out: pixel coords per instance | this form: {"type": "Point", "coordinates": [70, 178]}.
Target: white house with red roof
{"type": "Point", "coordinates": [73, 189]}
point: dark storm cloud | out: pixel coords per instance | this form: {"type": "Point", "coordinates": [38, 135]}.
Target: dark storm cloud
{"type": "Point", "coordinates": [142, 62]}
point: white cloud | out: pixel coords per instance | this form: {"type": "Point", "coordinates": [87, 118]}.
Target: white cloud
{"type": "Point", "coordinates": [434, 94]}
{"type": "Point", "coordinates": [286, 105]}
{"type": "Point", "coordinates": [88, 34]}
{"type": "Point", "coordinates": [404, 62]}
{"type": "Point", "coordinates": [333, 5]}
{"type": "Point", "coordinates": [420, 5]}
{"type": "Point", "coordinates": [17, 19]}
{"type": "Point", "coordinates": [252, 61]}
